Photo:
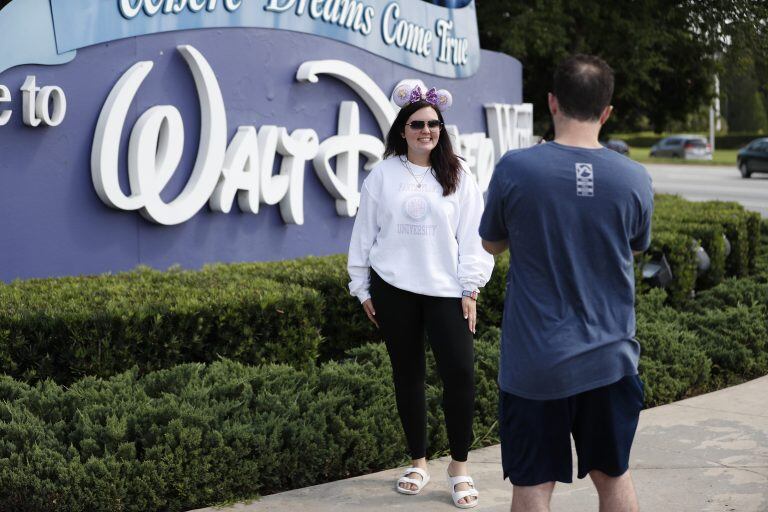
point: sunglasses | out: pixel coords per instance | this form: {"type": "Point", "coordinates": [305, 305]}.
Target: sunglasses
{"type": "Point", "coordinates": [433, 124]}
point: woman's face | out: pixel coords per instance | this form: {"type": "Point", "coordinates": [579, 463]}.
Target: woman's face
{"type": "Point", "coordinates": [424, 139]}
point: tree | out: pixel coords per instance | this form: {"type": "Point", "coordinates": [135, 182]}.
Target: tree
{"type": "Point", "coordinates": [663, 53]}
{"type": "Point", "coordinates": [743, 102]}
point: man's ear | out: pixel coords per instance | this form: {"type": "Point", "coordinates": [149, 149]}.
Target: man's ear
{"type": "Point", "coordinates": [606, 114]}
{"type": "Point", "coordinates": [552, 102]}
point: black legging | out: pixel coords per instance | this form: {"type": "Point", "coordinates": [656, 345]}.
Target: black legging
{"type": "Point", "coordinates": [403, 317]}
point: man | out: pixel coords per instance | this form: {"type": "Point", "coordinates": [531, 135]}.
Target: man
{"type": "Point", "coordinates": [572, 213]}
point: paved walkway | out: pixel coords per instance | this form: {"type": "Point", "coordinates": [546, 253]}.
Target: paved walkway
{"type": "Point", "coordinates": [704, 454]}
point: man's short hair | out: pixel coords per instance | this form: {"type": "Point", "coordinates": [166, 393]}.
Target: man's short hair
{"type": "Point", "coordinates": [583, 86]}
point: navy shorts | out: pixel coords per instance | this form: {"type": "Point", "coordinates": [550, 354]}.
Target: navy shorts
{"type": "Point", "coordinates": [536, 434]}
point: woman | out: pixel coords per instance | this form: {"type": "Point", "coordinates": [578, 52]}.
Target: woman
{"type": "Point", "coordinates": [416, 264]}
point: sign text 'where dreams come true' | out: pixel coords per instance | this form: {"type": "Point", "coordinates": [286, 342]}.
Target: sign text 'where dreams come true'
{"type": "Point", "coordinates": [354, 15]}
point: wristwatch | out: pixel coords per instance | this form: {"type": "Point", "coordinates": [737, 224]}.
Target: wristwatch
{"type": "Point", "coordinates": [471, 294]}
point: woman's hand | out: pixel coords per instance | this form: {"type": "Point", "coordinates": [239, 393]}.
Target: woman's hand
{"type": "Point", "coordinates": [368, 307]}
{"type": "Point", "coordinates": [469, 307]}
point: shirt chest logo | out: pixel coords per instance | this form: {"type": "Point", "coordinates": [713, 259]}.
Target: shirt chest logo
{"type": "Point", "coordinates": [585, 180]}
{"type": "Point", "coordinates": [416, 208]}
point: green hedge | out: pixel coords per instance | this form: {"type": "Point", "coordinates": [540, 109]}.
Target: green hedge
{"type": "Point", "coordinates": [672, 363]}
{"type": "Point", "coordinates": [728, 323]}
{"type": "Point", "coordinates": [70, 327]}
{"type": "Point", "coordinates": [193, 434]}
{"type": "Point", "coordinates": [490, 302]}
{"type": "Point", "coordinates": [740, 227]}
{"type": "Point", "coordinates": [735, 339]}
{"type": "Point", "coordinates": [198, 434]}
{"type": "Point", "coordinates": [679, 251]}
{"type": "Point", "coordinates": [732, 292]}
{"type": "Point", "coordinates": [343, 323]}
{"type": "Point", "coordinates": [761, 258]}
{"type": "Point", "coordinates": [328, 275]}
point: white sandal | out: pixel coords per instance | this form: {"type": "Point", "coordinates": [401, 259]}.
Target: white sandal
{"type": "Point", "coordinates": [453, 481]}
{"type": "Point", "coordinates": [418, 483]}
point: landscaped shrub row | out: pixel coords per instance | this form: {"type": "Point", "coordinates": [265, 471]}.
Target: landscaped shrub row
{"type": "Point", "coordinates": [742, 228]}
{"type": "Point", "coordinates": [343, 324]}
{"type": "Point", "coordinates": [193, 435]}
{"type": "Point", "coordinates": [728, 324]}
{"type": "Point", "coordinates": [70, 327]}
{"type": "Point", "coordinates": [680, 226]}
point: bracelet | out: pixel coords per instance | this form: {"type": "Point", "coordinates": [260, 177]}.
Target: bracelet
{"type": "Point", "coordinates": [470, 294]}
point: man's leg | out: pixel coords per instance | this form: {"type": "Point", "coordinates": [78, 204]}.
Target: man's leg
{"type": "Point", "coordinates": [535, 449]}
{"type": "Point", "coordinates": [617, 494]}
{"type": "Point", "coordinates": [534, 498]}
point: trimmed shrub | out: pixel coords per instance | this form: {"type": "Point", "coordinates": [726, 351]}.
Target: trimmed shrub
{"type": "Point", "coordinates": [66, 328]}
{"type": "Point", "coordinates": [761, 258]}
{"type": "Point", "coordinates": [673, 210]}
{"type": "Point", "coordinates": [753, 233]}
{"type": "Point", "coordinates": [678, 249]}
{"type": "Point", "coordinates": [490, 302]}
{"type": "Point", "coordinates": [344, 324]}
{"type": "Point", "coordinates": [735, 338]}
{"type": "Point", "coordinates": [710, 237]}
{"type": "Point", "coordinates": [732, 292]}
{"type": "Point", "coordinates": [193, 434]}
{"type": "Point", "coordinates": [672, 364]}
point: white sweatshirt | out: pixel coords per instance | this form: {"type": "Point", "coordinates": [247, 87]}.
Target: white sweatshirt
{"type": "Point", "coordinates": [415, 238]}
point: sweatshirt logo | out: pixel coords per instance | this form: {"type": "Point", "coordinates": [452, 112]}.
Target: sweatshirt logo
{"type": "Point", "coordinates": [416, 208]}
{"type": "Point", "coordinates": [585, 180]}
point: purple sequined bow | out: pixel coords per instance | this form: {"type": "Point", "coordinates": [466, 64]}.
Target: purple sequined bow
{"type": "Point", "coordinates": [431, 96]}
{"type": "Point", "coordinates": [415, 95]}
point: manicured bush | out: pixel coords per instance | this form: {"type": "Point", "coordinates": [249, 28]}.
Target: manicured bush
{"type": "Point", "coordinates": [672, 210]}
{"type": "Point", "coordinates": [672, 364]}
{"type": "Point", "coordinates": [735, 339]}
{"type": "Point", "coordinates": [679, 251]}
{"type": "Point", "coordinates": [710, 237]}
{"type": "Point", "coordinates": [344, 324]}
{"type": "Point", "coordinates": [66, 328]}
{"type": "Point", "coordinates": [490, 302]}
{"type": "Point", "coordinates": [194, 435]}
{"type": "Point", "coordinates": [729, 324]}
{"type": "Point", "coordinates": [732, 292]}
{"type": "Point", "coordinates": [761, 258]}
{"type": "Point", "coordinates": [753, 233]}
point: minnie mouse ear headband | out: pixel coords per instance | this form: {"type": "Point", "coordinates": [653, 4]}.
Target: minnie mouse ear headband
{"type": "Point", "coordinates": [411, 91]}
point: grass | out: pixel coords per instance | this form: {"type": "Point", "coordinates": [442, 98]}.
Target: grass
{"type": "Point", "coordinates": [720, 157]}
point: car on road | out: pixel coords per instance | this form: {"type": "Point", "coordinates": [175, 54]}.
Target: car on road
{"type": "Point", "coordinates": [753, 157]}
{"type": "Point", "coordinates": [617, 145]}
{"type": "Point", "coordinates": [688, 147]}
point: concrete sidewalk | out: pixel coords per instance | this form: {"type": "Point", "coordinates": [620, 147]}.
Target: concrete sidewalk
{"type": "Point", "coordinates": [704, 454]}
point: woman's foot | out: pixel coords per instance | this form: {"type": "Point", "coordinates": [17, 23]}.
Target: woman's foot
{"type": "Point", "coordinates": [456, 469]}
{"type": "Point", "coordinates": [412, 487]}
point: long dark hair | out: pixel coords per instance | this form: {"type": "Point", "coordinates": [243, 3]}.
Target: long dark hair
{"type": "Point", "coordinates": [443, 160]}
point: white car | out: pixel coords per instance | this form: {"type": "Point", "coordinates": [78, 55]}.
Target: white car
{"type": "Point", "coordinates": [688, 147]}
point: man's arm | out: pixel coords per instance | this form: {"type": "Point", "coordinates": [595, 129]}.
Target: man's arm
{"type": "Point", "coordinates": [495, 248]}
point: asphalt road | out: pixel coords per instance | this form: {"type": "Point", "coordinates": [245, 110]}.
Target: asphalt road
{"type": "Point", "coordinates": [705, 183]}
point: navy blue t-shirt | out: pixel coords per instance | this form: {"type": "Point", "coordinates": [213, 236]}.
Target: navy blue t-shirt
{"type": "Point", "coordinates": [572, 217]}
